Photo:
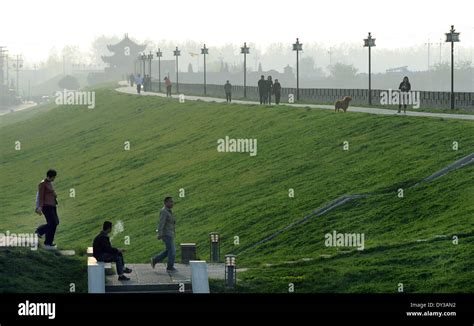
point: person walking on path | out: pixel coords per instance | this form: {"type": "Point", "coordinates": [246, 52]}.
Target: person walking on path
{"type": "Point", "coordinates": [262, 89]}
{"type": "Point", "coordinates": [139, 83]}
{"type": "Point", "coordinates": [228, 91]}
{"type": "Point", "coordinates": [131, 79]}
{"type": "Point", "coordinates": [404, 88]}
{"type": "Point", "coordinates": [168, 87]}
{"type": "Point", "coordinates": [277, 91]}
{"type": "Point", "coordinates": [46, 202]}
{"type": "Point", "coordinates": [269, 90]}
{"type": "Point", "coordinates": [104, 252]}
{"type": "Point", "coordinates": [166, 233]}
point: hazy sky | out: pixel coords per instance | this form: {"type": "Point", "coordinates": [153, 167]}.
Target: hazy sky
{"type": "Point", "coordinates": [33, 27]}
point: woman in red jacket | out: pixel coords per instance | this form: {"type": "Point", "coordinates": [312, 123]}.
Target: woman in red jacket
{"type": "Point", "coordinates": [46, 205]}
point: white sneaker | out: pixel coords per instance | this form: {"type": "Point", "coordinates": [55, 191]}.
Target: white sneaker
{"type": "Point", "coordinates": [47, 247]}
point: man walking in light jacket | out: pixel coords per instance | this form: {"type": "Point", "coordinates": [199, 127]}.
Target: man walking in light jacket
{"type": "Point", "coordinates": [166, 233]}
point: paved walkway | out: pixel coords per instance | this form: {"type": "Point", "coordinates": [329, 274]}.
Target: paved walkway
{"type": "Point", "coordinates": [132, 90]}
{"type": "Point", "coordinates": [146, 279]}
{"type": "Point", "coordinates": [16, 108]}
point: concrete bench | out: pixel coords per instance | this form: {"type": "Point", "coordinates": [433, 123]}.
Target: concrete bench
{"type": "Point", "coordinates": [95, 276]}
{"type": "Point", "coordinates": [108, 267]}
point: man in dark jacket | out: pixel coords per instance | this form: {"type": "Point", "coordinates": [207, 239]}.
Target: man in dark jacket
{"type": "Point", "coordinates": [228, 91]}
{"type": "Point", "coordinates": [262, 89]}
{"type": "Point", "coordinates": [269, 89]}
{"type": "Point", "coordinates": [404, 87]}
{"type": "Point", "coordinates": [277, 91]}
{"type": "Point", "coordinates": [104, 252]}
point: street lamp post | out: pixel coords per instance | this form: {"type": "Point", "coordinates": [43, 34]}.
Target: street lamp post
{"type": "Point", "coordinates": [177, 53]}
{"type": "Point", "coordinates": [452, 37]}
{"type": "Point", "coordinates": [205, 51]}
{"type": "Point", "coordinates": [150, 58]}
{"type": "Point", "coordinates": [159, 54]}
{"type": "Point", "coordinates": [245, 50]}
{"type": "Point", "coordinates": [370, 42]}
{"type": "Point", "coordinates": [143, 58]}
{"type": "Point", "coordinates": [297, 47]}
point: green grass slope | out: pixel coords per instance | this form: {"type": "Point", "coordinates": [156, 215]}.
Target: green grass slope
{"type": "Point", "coordinates": [407, 240]}
{"type": "Point", "coordinates": [173, 146]}
{"type": "Point", "coordinates": [26, 271]}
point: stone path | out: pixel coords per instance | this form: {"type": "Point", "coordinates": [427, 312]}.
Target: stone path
{"type": "Point", "coordinates": [132, 90]}
{"type": "Point", "coordinates": [145, 279]}
{"type": "Point", "coordinates": [16, 108]}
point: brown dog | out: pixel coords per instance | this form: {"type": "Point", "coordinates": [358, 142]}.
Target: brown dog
{"type": "Point", "coordinates": [342, 104]}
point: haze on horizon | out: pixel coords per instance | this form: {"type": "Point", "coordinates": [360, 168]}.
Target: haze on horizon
{"type": "Point", "coordinates": [33, 28]}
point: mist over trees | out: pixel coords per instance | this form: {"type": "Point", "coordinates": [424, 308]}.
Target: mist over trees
{"type": "Point", "coordinates": [341, 65]}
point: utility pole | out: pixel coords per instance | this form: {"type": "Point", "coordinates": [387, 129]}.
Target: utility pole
{"type": "Point", "coordinates": [440, 44]}
{"type": "Point", "coordinates": [2, 63]}
{"type": "Point", "coordinates": [330, 56]}
{"type": "Point", "coordinates": [429, 47]}
{"type": "Point", "coordinates": [2, 82]}
{"type": "Point", "coordinates": [8, 71]}
{"type": "Point", "coordinates": [256, 58]}
{"type": "Point", "coordinates": [18, 65]}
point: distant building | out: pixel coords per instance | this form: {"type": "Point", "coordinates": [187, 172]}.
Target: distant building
{"type": "Point", "coordinates": [123, 58]}
{"type": "Point", "coordinates": [403, 69]}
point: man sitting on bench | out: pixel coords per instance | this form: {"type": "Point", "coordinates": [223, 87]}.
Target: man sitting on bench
{"type": "Point", "coordinates": [104, 252]}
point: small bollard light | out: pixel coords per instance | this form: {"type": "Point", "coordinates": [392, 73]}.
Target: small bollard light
{"type": "Point", "coordinates": [215, 250]}
{"type": "Point", "coordinates": [230, 271]}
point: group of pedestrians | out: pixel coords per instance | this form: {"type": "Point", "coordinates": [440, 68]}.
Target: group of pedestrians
{"type": "Point", "coordinates": [165, 231]}
{"type": "Point", "coordinates": [142, 83]}
{"type": "Point", "coordinates": [103, 251]}
{"type": "Point", "coordinates": [267, 88]}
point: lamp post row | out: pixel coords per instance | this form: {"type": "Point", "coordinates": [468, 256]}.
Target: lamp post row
{"type": "Point", "coordinates": [369, 42]}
